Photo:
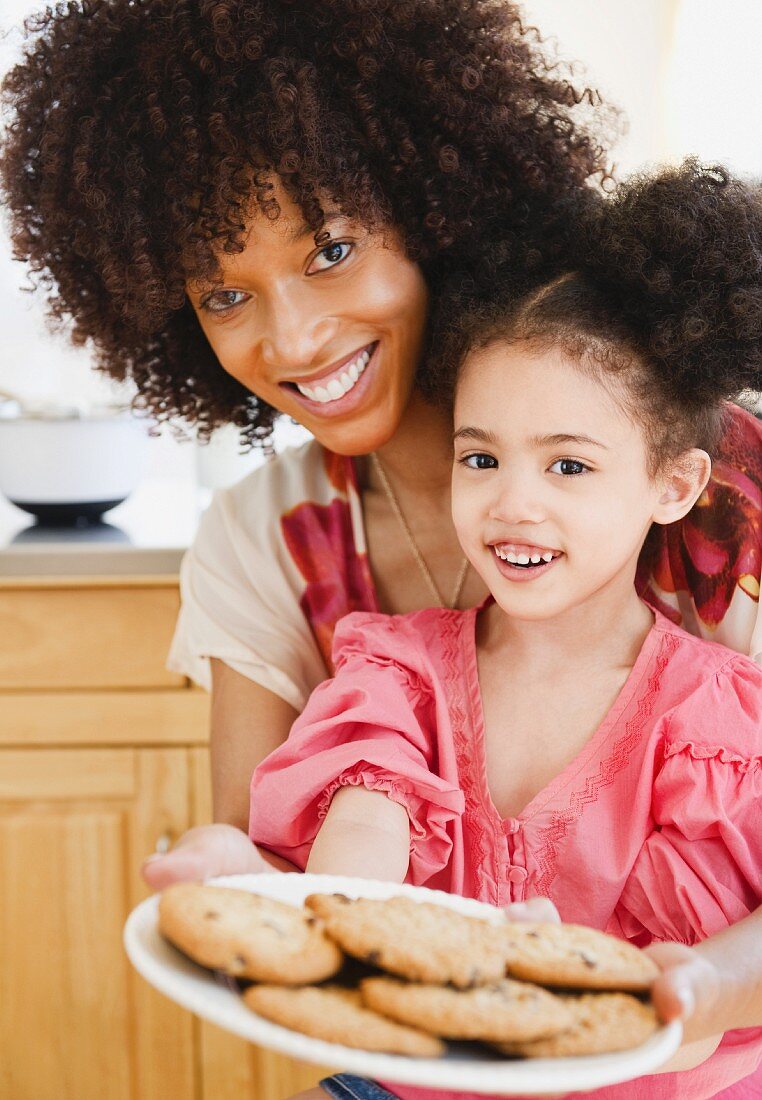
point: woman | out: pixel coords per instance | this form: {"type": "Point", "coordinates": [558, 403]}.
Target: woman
{"type": "Point", "coordinates": [254, 207]}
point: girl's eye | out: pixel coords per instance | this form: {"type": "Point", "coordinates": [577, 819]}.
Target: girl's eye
{"type": "Point", "coordinates": [569, 467]}
{"type": "Point", "coordinates": [221, 301]}
{"type": "Point", "coordinates": [329, 256]}
{"type": "Point", "coordinates": [479, 461]}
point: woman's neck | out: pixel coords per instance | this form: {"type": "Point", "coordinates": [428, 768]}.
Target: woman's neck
{"type": "Point", "coordinates": [418, 457]}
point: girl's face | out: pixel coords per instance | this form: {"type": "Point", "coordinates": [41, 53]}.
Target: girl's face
{"type": "Point", "coordinates": [330, 334]}
{"type": "Point", "coordinates": [551, 494]}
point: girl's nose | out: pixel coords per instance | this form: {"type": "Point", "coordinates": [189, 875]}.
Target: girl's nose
{"type": "Point", "coordinates": [293, 333]}
{"type": "Point", "coordinates": [518, 500]}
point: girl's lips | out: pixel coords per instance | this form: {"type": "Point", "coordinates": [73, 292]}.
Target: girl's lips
{"type": "Point", "coordinates": [524, 573]}
{"type": "Point", "coordinates": [341, 405]}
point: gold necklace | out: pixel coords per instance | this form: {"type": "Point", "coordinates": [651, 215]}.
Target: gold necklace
{"type": "Point", "coordinates": [425, 571]}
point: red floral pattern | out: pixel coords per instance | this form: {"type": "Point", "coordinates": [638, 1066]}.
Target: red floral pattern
{"type": "Point", "coordinates": [716, 550]}
{"type": "Point", "coordinates": [322, 543]}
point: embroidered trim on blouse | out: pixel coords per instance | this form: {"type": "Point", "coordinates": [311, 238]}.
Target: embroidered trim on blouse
{"type": "Point", "coordinates": [546, 855]}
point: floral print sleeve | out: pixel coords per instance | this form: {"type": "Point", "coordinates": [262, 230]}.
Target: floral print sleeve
{"type": "Point", "coordinates": [704, 572]}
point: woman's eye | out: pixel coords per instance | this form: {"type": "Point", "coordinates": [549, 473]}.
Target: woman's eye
{"type": "Point", "coordinates": [223, 300]}
{"type": "Point", "coordinates": [569, 467]}
{"type": "Point", "coordinates": [479, 462]}
{"type": "Point", "coordinates": [329, 256]}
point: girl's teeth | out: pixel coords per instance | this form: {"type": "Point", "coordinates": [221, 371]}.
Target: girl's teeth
{"type": "Point", "coordinates": [337, 387]}
{"type": "Point", "coordinates": [524, 559]}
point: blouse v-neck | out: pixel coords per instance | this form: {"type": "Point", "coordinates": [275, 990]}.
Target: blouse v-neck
{"type": "Point", "coordinates": [592, 748]}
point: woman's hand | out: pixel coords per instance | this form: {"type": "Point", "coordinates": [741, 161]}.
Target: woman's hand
{"type": "Point", "coordinates": [203, 852]}
{"type": "Point", "coordinates": [689, 988]}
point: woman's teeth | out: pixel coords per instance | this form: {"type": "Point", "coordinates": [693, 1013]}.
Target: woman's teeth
{"type": "Point", "coordinates": [340, 385]}
{"type": "Point", "coordinates": [524, 559]}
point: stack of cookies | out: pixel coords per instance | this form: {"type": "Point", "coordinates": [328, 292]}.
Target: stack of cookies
{"type": "Point", "coordinates": [430, 974]}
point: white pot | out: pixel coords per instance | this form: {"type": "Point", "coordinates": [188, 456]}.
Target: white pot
{"type": "Point", "coordinates": [61, 468]}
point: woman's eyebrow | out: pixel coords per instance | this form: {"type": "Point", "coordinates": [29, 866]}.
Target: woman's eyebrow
{"type": "Point", "coordinates": [299, 232]}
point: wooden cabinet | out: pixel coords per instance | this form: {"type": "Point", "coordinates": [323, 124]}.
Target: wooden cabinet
{"type": "Point", "coordinates": [103, 757]}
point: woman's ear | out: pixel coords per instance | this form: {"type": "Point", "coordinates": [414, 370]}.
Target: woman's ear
{"type": "Point", "coordinates": [683, 482]}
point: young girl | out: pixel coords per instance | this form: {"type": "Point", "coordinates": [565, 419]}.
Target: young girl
{"type": "Point", "coordinates": [567, 738]}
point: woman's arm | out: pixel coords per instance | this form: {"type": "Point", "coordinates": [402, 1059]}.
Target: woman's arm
{"type": "Point", "coordinates": [248, 723]}
{"type": "Point", "coordinates": [365, 835]}
{"type": "Point", "coordinates": [715, 986]}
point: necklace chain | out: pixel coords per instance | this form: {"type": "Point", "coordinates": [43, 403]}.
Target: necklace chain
{"type": "Point", "coordinates": [420, 560]}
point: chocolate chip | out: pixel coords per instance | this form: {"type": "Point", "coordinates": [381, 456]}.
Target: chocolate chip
{"type": "Point", "coordinates": [311, 920]}
{"type": "Point", "coordinates": [211, 915]}
{"type": "Point", "coordinates": [274, 928]}
{"type": "Point", "coordinates": [592, 963]}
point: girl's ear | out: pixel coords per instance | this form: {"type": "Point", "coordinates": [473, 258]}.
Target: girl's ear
{"type": "Point", "coordinates": [682, 484]}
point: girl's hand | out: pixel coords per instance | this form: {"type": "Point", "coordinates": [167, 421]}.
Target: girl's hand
{"type": "Point", "coordinates": [535, 911]}
{"type": "Point", "coordinates": [203, 852]}
{"type": "Point", "coordinates": [689, 988]}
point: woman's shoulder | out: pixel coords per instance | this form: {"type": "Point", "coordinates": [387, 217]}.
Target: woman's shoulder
{"type": "Point", "coordinates": [307, 474]}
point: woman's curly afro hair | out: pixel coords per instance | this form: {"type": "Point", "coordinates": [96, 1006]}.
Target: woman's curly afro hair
{"type": "Point", "coordinates": [665, 294]}
{"type": "Point", "coordinates": [140, 131]}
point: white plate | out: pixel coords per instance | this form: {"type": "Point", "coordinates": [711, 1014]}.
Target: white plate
{"type": "Point", "coordinates": [461, 1069]}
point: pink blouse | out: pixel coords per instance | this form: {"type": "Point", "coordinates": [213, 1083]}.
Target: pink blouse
{"type": "Point", "coordinates": [650, 833]}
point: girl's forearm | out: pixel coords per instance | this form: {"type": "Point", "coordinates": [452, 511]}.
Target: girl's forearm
{"type": "Point", "coordinates": [364, 835]}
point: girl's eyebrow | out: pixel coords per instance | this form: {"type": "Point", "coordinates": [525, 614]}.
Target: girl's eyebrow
{"type": "Point", "coordinates": [563, 437]}
{"type": "Point", "coordinates": [482, 436]}
{"type": "Point", "coordinates": [478, 434]}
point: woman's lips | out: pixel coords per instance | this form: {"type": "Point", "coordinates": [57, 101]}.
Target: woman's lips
{"type": "Point", "coordinates": [328, 394]}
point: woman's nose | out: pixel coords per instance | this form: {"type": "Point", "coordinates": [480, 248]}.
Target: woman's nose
{"type": "Point", "coordinates": [294, 333]}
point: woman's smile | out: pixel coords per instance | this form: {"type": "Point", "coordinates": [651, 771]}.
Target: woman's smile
{"type": "Point", "coordinates": [340, 388]}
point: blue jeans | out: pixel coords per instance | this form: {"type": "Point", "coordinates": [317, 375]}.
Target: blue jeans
{"type": "Point", "coordinates": [344, 1086]}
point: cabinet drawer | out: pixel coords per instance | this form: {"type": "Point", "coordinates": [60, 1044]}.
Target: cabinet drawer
{"type": "Point", "coordinates": [86, 635]}
{"type": "Point", "coordinates": [157, 717]}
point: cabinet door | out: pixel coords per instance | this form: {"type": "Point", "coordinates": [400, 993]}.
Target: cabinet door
{"type": "Point", "coordinates": [231, 1068]}
{"type": "Point", "coordinates": [75, 1019]}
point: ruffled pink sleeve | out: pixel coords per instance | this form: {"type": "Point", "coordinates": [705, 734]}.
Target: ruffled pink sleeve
{"type": "Point", "coordinates": [373, 724]}
{"type": "Point", "coordinates": [700, 869]}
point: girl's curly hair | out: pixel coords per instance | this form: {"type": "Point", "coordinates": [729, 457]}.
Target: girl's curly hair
{"type": "Point", "coordinates": [140, 133]}
{"type": "Point", "coordinates": [665, 295]}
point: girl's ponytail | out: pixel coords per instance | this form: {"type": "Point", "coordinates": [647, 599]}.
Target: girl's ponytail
{"type": "Point", "coordinates": [679, 257]}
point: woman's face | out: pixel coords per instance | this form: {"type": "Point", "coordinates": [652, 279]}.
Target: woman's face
{"type": "Point", "coordinates": [330, 334]}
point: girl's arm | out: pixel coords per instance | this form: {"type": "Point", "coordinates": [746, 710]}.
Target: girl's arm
{"type": "Point", "coordinates": [364, 835]}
